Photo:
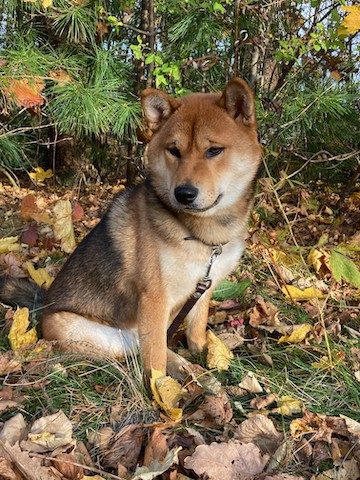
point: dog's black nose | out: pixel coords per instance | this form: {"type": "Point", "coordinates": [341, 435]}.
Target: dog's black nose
{"type": "Point", "coordinates": [186, 194]}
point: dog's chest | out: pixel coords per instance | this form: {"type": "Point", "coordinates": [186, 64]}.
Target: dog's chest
{"type": "Point", "coordinates": [181, 271]}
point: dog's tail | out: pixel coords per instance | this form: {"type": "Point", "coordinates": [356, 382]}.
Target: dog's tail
{"type": "Point", "coordinates": [20, 292]}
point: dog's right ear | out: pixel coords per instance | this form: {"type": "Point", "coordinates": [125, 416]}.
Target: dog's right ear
{"type": "Point", "coordinates": [157, 107]}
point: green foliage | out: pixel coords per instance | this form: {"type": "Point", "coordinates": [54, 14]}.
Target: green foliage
{"type": "Point", "coordinates": [343, 268]}
{"type": "Point", "coordinates": [304, 71]}
{"type": "Point", "coordinates": [227, 290]}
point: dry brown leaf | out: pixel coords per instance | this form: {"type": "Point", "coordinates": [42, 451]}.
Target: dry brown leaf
{"type": "Point", "coordinates": [231, 340]}
{"type": "Point", "coordinates": [250, 383]}
{"type": "Point", "coordinates": [126, 448]}
{"type": "Point", "coordinates": [63, 225]}
{"type": "Point", "coordinates": [14, 430]}
{"type": "Point", "coordinates": [52, 433]}
{"type": "Point", "coordinates": [7, 472]}
{"type": "Point", "coordinates": [64, 463]}
{"type": "Point", "coordinates": [214, 412]}
{"type": "Point", "coordinates": [156, 448]}
{"type": "Point", "coordinates": [7, 405]}
{"type": "Point", "coordinates": [156, 468]}
{"type": "Point", "coordinates": [264, 313]}
{"type": "Point", "coordinates": [283, 476]}
{"type": "Point", "coordinates": [227, 461]}
{"type": "Point", "coordinates": [101, 438]}
{"type": "Point", "coordinates": [30, 468]}
{"type": "Point", "coordinates": [260, 430]}
{"type": "Point", "coordinates": [349, 470]}
{"type": "Point", "coordinates": [259, 403]}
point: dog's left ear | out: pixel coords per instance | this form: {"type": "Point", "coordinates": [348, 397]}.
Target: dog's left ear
{"type": "Point", "coordinates": [238, 100]}
{"type": "Point", "coordinates": [157, 107]}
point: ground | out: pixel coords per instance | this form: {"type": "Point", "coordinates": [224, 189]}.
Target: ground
{"type": "Point", "coordinates": [285, 402]}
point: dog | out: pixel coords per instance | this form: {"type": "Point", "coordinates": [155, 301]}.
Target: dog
{"type": "Point", "coordinates": [129, 277]}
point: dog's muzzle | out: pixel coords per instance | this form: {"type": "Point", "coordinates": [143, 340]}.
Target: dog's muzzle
{"type": "Point", "coordinates": [186, 194]}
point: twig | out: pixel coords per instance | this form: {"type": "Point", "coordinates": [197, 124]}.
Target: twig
{"type": "Point", "coordinates": [68, 462]}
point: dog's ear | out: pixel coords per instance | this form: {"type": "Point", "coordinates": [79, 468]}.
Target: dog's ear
{"type": "Point", "coordinates": [157, 107]}
{"type": "Point", "coordinates": [238, 101]}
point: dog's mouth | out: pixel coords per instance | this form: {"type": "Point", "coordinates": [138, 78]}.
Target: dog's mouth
{"type": "Point", "coordinates": [194, 209]}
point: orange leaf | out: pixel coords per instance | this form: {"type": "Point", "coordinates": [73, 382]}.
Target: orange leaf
{"type": "Point", "coordinates": [24, 93]}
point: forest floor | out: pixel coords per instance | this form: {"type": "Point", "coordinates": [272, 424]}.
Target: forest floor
{"type": "Point", "coordinates": [286, 407]}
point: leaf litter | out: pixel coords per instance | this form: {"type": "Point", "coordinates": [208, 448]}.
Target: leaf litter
{"type": "Point", "coordinates": [238, 426]}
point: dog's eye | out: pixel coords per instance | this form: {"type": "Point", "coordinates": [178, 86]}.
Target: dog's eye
{"type": "Point", "coordinates": [175, 152]}
{"type": "Point", "coordinates": [213, 152]}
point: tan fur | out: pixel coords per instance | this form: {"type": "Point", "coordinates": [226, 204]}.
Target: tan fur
{"type": "Point", "coordinates": [134, 272]}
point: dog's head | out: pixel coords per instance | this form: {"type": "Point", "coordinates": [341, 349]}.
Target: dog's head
{"type": "Point", "coordinates": [204, 151]}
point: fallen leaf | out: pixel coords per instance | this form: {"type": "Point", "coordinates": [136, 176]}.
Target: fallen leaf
{"type": "Point", "coordinates": [296, 294]}
{"type": "Point", "coordinates": [215, 411]}
{"type": "Point", "coordinates": [259, 403]}
{"type": "Point", "coordinates": [263, 313]}
{"type": "Point", "coordinates": [40, 276]}
{"type": "Point", "coordinates": [287, 406]}
{"type": "Point", "coordinates": [283, 476]}
{"type": "Point", "coordinates": [260, 430]}
{"type": "Point", "coordinates": [30, 236]}
{"type": "Point", "coordinates": [227, 461]}
{"type": "Point", "coordinates": [218, 355]}
{"type": "Point", "coordinates": [63, 225]}
{"type": "Point", "coordinates": [156, 448]}
{"type": "Point", "coordinates": [52, 433]}
{"type": "Point", "coordinates": [227, 290]}
{"type": "Point", "coordinates": [78, 213]}
{"type": "Point", "coordinates": [101, 438]}
{"type": "Point", "coordinates": [126, 448]}
{"type": "Point", "coordinates": [349, 470]}
{"type": "Point", "coordinates": [319, 259]}
{"type": "Point", "coordinates": [14, 430]}
{"type": "Point", "coordinates": [326, 364]}
{"type": "Point", "coordinates": [157, 468]}
{"type": "Point", "coordinates": [8, 364]}
{"type": "Point", "coordinates": [297, 335]}
{"type": "Point", "coordinates": [167, 394]}
{"type": "Point", "coordinates": [19, 336]}
{"type": "Point", "coordinates": [9, 244]}
{"type": "Point", "coordinates": [250, 383]}
{"type": "Point", "coordinates": [39, 174]}
{"type": "Point", "coordinates": [30, 468]}
{"type": "Point", "coordinates": [7, 472]}
{"type": "Point", "coordinates": [64, 463]}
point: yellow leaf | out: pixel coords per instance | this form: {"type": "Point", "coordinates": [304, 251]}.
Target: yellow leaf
{"type": "Point", "coordinates": [355, 198]}
{"type": "Point", "coordinates": [287, 405]}
{"type": "Point", "coordinates": [218, 356]}
{"type": "Point", "coordinates": [40, 276]}
{"type": "Point", "coordinates": [320, 261]}
{"type": "Point", "coordinates": [298, 427]}
{"type": "Point", "coordinates": [325, 363]}
{"type": "Point", "coordinates": [40, 174]}
{"type": "Point", "coordinates": [351, 23]}
{"type": "Point", "coordinates": [63, 225]}
{"type": "Point", "coordinates": [167, 394]}
{"type": "Point", "coordinates": [297, 335]}
{"type": "Point", "coordinates": [19, 337]}
{"type": "Point", "coordinates": [297, 294]}
{"type": "Point", "coordinates": [9, 244]}
{"type": "Point", "coordinates": [47, 3]}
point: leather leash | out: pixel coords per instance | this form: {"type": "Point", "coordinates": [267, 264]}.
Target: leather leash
{"type": "Point", "coordinates": [203, 285]}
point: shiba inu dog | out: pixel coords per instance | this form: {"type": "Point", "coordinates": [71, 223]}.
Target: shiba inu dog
{"type": "Point", "coordinates": [126, 281]}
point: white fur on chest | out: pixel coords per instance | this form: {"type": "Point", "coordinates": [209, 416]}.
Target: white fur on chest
{"type": "Point", "coordinates": [181, 271]}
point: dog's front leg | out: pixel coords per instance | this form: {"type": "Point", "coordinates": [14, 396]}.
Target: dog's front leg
{"type": "Point", "coordinates": [153, 320]}
{"type": "Point", "coordinates": [196, 324]}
